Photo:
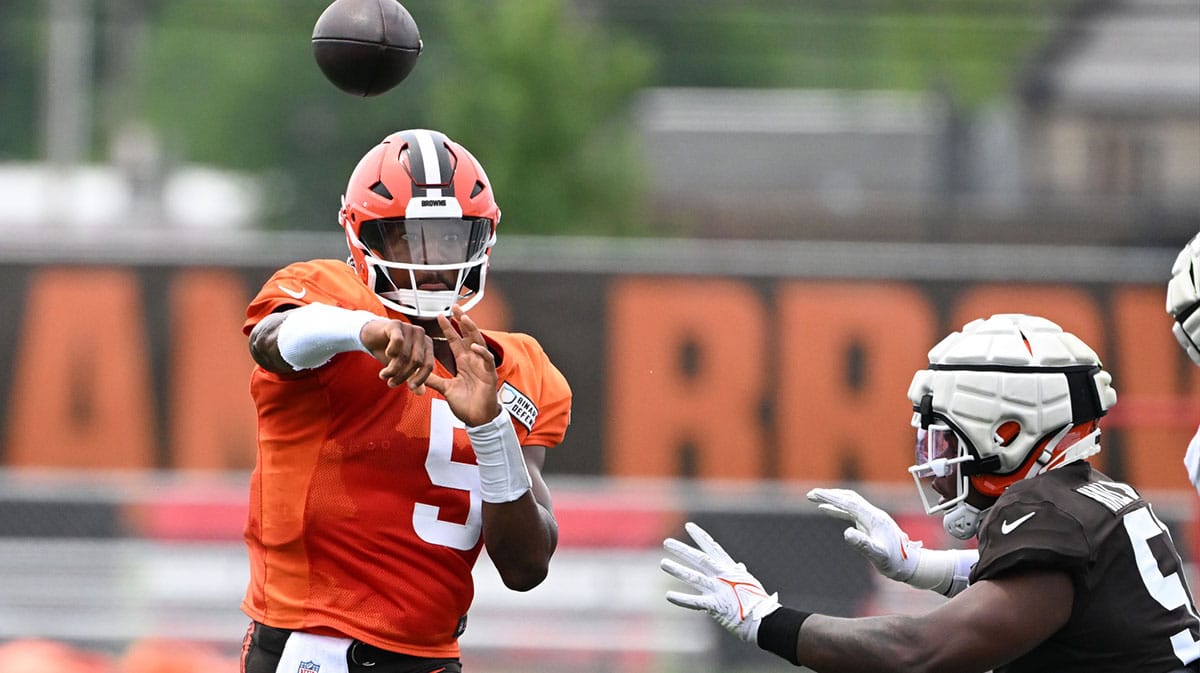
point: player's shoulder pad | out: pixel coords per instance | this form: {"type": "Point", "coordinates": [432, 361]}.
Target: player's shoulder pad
{"type": "Point", "coordinates": [1028, 528]}
{"type": "Point", "coordinates": [519, 341]}
{"type": "Point", "coordinates": [317, 274]}
{"type": "Point", "coordinates": [324, 281]}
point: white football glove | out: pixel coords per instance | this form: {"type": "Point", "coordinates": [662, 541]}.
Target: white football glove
{"type": "Point", "coordinates": [1192, 460]}
{"type": "Point", "coordinates": [728, 592]}
{"type": "Point", "coordinates": [876, 536]}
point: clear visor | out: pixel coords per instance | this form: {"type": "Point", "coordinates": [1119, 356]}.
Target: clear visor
{"type": "Point", "coordinates": [935, 448]}
{"type": "Point", "coordinates": [433, 242]}
{"type": "Point", "coordinates": [938, 454]}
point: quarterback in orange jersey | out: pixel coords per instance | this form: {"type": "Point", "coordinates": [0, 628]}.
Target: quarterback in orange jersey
{"type": "Point", "coordinates": [395, 437]}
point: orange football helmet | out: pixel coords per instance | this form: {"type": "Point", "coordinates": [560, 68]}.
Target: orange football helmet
{"type": "Point", "coordinates": [420, 221]}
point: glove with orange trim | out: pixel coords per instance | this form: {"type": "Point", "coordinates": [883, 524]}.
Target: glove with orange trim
{"type": "Point", "coordinates": [728, 592]}
{"type": "Point", "coordinates": [876, 536]}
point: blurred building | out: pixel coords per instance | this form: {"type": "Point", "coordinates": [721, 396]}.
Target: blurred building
{"type": "Point", "coordinates": [1100, 143]}
{"type": "Point", "coordinates": [1112, 112]}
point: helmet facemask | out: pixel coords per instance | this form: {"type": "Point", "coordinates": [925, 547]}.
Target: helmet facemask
{"type": "Point", "coordinates": [948, 469]}
{"type": "Point", "coordinates": [944, 464]}
{"type": "Point", "coordinates": [423, 267]}
{"type": "Point", "coordinates": [938, 467]}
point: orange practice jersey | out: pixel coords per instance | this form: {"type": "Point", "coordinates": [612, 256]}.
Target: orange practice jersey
{"type": "Point", "coordinates": [365, 514]}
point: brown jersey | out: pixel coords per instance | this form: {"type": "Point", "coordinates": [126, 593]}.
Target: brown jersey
{"type": "Point", "coordinates": [1133, 610]}
{"type": "Point", "coordinates": [365, 512]}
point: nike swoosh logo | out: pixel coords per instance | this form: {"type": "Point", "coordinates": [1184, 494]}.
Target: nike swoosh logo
{"type": "Point", "coordinates": [294, 294]}
{"type": "Point", "coordinates": [1006, 527]}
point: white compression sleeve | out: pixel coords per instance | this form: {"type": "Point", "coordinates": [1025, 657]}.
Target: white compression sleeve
{"type": "Point", "coordinates": [311, 335]}
{"type": "Point", "coordinates": [503, 476]}
{"type": "Point", "coordinates": [945, 571]}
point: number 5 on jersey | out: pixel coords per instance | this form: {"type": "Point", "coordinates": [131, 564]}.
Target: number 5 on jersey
{"type": "Point", "coordinates": [444, 471]}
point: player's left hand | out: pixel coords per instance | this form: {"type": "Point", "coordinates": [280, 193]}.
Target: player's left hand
{"type": "Point", "coordinates": [471, 393]}
{"type": "Point", "coordinates": [874, 534]}
{"type": "Point", "coordinates": [728, 592]}
{"type": "Point", "coordinates": [1191, 460]}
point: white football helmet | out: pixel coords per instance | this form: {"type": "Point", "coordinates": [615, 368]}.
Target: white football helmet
{"type": "Point", "coordinates": [1005, 399]}
{"type": "Point", "coordinates": [1183, 297]}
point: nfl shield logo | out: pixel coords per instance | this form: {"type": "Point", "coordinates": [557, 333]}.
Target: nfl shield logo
{"type": "Point", "coordinates": [308, 667]}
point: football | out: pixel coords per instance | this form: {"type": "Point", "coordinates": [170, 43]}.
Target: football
{"type": "Point", "coordinates": [366, 47]}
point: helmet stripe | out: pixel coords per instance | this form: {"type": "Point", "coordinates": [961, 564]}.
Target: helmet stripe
{"type": "Point", "coordinates": [431, 173]}
{"type": "Point", "coordinates": [429, 161]}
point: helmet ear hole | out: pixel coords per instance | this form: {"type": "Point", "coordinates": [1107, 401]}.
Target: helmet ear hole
{"type": "Point", "coordinates": [1006, 433]}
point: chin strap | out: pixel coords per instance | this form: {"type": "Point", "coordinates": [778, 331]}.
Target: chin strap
{"type": "Point", "coordinates": [962, 522]}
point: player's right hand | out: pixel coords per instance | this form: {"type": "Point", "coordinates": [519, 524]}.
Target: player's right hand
{"type": "Point", "coordinates": [405, 350]}
{"type": "Point", "coordinates": [875, 534]}
{"type": "Point", "coordinates": [471, 392]}
{"type": "Point", "coordinates": [727, 591]}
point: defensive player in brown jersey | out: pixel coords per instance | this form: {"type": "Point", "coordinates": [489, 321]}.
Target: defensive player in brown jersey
{"type": "Point", "coordinates": [1074, 573]}
{"type": "Point", "coordinates": [396, 438]}
{"type": "Point", "coordinates": [1183, 302]}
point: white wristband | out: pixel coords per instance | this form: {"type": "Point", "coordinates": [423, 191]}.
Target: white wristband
{"type": "Point", "coordinates": [503, 476]}
{"type": "Point", "coordinates": [311, 335]}
{"type": "Point", "coordinates": [945, 571]}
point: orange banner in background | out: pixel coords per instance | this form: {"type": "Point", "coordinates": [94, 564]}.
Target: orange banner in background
{"type": "Point", "coordinates": [712, 377]}
{"type": "Point", "coordinates": [846, 354]}
{"type": "Point", "coordinates": [686, 373]}
{"type": "Point", "coordinates": [81, 377]}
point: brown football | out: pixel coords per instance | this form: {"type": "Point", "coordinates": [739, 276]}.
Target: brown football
{"type": "Point", "coordinates": [366, 47]}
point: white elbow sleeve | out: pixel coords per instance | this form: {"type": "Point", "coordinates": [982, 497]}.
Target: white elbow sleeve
{"type": "Point", "coordinates": [311, 335]}
{"type": "Point", "coordinates": [503, 476]}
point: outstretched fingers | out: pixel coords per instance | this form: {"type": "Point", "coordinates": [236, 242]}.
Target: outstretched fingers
{"type": "Point", "coordinates": [690, 555]}
{"type": "Point", "coordinates": [710, 547]}
{"type": "Point", "coordinates": [844, 504]}
{"type": "Point", "coordinates": [464, 337]}
{"type": "Point", "coordinates": [832, 496]}
{"type": "Point", "coordinates": [470, 331]}
{"type": "Point", "coordinates": [698, 581]}
{"type": "Point", "coordinates": [837, 512]}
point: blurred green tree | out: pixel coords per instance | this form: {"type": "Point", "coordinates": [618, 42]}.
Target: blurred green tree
{"type": "Point", "coordinates": [538, 89]}
{"type": "Point", "coordinates": [21, 43]}
{"type": "Point", "coordinates": [533, 93]}
{"type": "Point", "coordinates": [544, 101]}
{"type": "Point", "coordinates": [974, 47]}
